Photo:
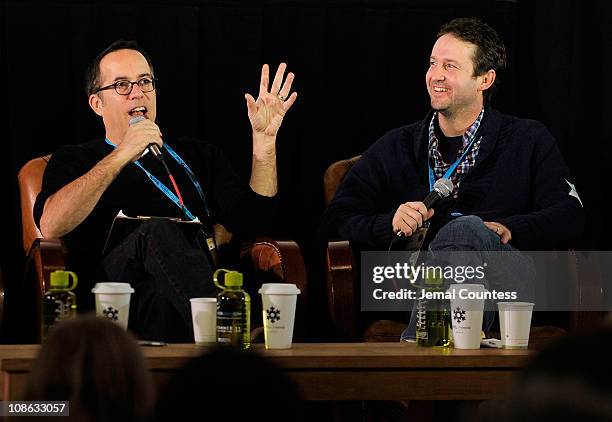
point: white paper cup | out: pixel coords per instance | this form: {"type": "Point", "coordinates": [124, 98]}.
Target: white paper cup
{"type": "Point", "coordinates": [466, 314]}
{"type": "Point", "coordinates": [113, 301]}
{"type": "Point", "coordinates": [204, 317]}
{"type": "Point", "coordinates": [514, 324]}
{"type": "Point", "coordinates": [279, 300]}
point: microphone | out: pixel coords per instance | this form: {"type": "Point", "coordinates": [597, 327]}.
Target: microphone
{"type": "Point", "coordinates": [441, 189]}
{"type": "Point", "coordinates": [153, 148]}
{"type": "Point", "coordinates": [210, 237]}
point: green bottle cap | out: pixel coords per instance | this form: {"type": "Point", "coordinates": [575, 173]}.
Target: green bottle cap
{"type": "Point", "coordinates": [433, 278]}
{"type": "Point", "coordinates": [59, 280]}
{"type": "Point", "coordinates": [231, 279]}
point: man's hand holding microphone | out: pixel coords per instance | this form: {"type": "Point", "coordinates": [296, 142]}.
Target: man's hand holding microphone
{"type": "Point", "coordinates": [410, 216]}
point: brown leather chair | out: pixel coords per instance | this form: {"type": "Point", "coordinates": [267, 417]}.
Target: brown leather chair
{"type": "Point", "coordinates": [582, 273]}
{"type": "Point", "coordinates": [268, 260]}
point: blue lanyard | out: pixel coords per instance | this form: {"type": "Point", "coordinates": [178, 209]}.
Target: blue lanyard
{"type": "Point", "coordinates": [167, 191]}
{"type": "Point", "coordinates": [451, 169]}
{"type": "Point", "coordinates": [191, 175]}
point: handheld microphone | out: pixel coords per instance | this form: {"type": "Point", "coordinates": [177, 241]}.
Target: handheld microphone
{"type": "Point", "coordinates": [210, 237]}
{"type": "Point", "coordinates": [441, 189]}
{"type": "Point", "coordinates": [153, 148]}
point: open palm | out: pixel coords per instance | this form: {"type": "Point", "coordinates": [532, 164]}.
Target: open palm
{"type": "Point", "coordinates": [267, 112]}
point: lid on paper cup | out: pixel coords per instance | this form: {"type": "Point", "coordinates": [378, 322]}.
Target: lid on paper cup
{"type": "Point", "coordinates": [112, 288]}
{"type": "Point", "coordinates": [468, 287]}
{"type": "Point", "coordinates": [203, 299]}
{"type": "Point", "coordinates": [515, 305]}
{"type": "Point", "coordinates": [279, 289]}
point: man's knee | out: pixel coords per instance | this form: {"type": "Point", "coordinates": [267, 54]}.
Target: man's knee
{"type": "Point", "coordinates": [160, 228]}
{"type": "Point", "coordinates": [467, 224]}
{"type": "Point", "coordinates": [465, 232]}
{"type": "Point", "coordinates": [163, 235]}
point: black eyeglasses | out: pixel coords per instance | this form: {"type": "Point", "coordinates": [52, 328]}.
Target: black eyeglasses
{"type": "Point", "coordinates": [125, 87]}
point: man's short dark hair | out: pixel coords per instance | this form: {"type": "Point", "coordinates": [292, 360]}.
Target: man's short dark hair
{"type": "Point", "coordinates": [92, 81]}
{"type": "Point", "coordinates": [490, 49]}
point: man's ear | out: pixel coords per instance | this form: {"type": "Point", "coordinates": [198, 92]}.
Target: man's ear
{"type": "Point", "coordinates": [96, 104]}
{"type": "Point", "coordinates": [487, 80]}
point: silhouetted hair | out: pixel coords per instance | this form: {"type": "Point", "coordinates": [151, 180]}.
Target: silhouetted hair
{"type": "Point", "coordinates": [92, 77]}
{"type": "Point", "coordinates": [490, 49]}
{"type": "Point", "coordinates": [233, 384]}
{"type": "Point", "coordinates": [569, 380]}
{"type": "Point", "coordinates": [95, 365]}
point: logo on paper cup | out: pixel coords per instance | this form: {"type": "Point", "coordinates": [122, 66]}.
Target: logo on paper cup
{"type": "Point", "coordinates": [273, 314]}
{"type": "Point", "coordinates": [459, 315]}
{"type": "Point", "coordinates": [111, 313]}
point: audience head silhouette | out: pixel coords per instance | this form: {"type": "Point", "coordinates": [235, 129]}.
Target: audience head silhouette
{"type": "Point", "coordinates": [235, 385]}
{"type": "Point", "coordinates": [566, 381]}
{"type": "Point", "coordinates": [96, 366]}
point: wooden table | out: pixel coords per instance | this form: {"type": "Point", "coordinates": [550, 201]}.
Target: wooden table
{"type": "Point", "coordinates": [338, 371]}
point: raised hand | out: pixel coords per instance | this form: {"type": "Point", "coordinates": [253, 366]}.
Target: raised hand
{"type": "Point", "coordinates": [267, 112]}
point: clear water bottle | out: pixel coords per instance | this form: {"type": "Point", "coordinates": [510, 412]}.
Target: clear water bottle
{"type": "Point", "coordinates": [433, 314]}
{"type": "Point", "coordinates": [233, 310]}
{"type": "Point", "coordinates": [59, 302]}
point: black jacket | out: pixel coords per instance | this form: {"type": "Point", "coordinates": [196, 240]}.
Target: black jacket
{"type": "Point", "coordinates": [519, 179]}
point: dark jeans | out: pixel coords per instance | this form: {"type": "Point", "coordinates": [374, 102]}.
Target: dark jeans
{"type": "Point", "coordinates": [468, 233]}
{"type": "Point", "coordinates": [165, 270]}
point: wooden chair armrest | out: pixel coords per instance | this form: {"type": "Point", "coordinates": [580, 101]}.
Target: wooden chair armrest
{"type": "Point", "coordinates": [47, 255]}
{"type": "Point", "coordinates": [283, 258]}
{"type": "Point", "coordinates": [585, 288]}
{"type": "Point", "coordinates": [341, 289]}
{"type": "Point", "coordinates": [275, 261]}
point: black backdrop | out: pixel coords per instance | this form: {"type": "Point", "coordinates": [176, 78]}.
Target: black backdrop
{"type": "Point", "coordinates": [359, 69]}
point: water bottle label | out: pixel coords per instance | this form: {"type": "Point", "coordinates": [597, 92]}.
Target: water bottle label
{"type": "Point", "coordinates": [62, 310]}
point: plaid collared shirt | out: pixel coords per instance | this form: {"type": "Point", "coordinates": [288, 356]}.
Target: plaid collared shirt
{"type": "Point", "coordinates": [438, 164]}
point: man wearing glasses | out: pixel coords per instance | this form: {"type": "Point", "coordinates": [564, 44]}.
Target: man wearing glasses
{"type": "Point", "coordinates": [85, 186]}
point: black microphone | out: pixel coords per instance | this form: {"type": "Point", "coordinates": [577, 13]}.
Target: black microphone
{"type": "Point", "coordinates": [441, 189]}
{"type": "Point", "coordinates": [210, 236]}
{"type": "Point", "coordinates": [153, 148]}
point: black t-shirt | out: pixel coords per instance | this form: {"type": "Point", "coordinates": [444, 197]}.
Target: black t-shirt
{"type": "Point", "coordinates": [448, 146]}
{"type": "Point", "coordinates": [231, 201]}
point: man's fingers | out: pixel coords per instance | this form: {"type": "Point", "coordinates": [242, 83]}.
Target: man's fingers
{"type": "Point", "coordinates": [287, 104]}
{"type": "Point", "coordinates": [504, 233]}
{"type": "Point", "coordinates": [506, 236]}
{"type": "Point", "coordinates": [409, 209]}
{"type": "Point", "coordinates": [405, 228]}
{"type": "Point", "coordinates": [251, 106]}
{"type": "Point", "coordinates": [265, 80]}
{"type": "Point", "coordinates": [278, 79]}
{"type": "Point", "coordinates": [406, 222]}
{"type": "Point", "coordinates": [410, 216]}
{"type": "Point", "coordinates": [418, 206]}
{"type": "Point", "coordinates": [286, 88]}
